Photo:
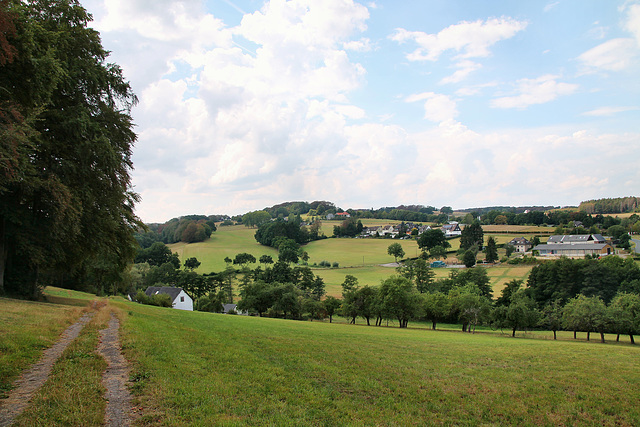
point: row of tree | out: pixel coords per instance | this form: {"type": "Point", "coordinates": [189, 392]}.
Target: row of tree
{"type": "Point", "coordinates": [612, 205]}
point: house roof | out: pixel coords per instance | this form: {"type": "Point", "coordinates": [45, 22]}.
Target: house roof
{"type": "Point", "coordinates": [226, 308]}
{"type": "Point", "coordinates": [565, 247]}
{"type": "Point", "coordinates": [519, 241]}
{"type": "Point", "coordinates": [576, 238]}
{"type": "Point", "coordinates": [173, 292]}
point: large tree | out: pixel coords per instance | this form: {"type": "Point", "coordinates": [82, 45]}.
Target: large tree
{"type": "Point", "coordinates": [66, 203]}
{"type": "Point", "coordinates": [432, 238]}
{"type": "Point", "coordinates": [472, 235]}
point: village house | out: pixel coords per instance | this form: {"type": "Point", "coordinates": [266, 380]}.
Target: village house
{"type": "Point", "coordinates": [451, 230]}
{"type": "Point", "coordinates": [179, 298]}
{"type": "Point", "coordinates": [521, 244]}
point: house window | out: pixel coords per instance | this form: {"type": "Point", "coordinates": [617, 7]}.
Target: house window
{"type": "Point", "coordinates": [181, 299]}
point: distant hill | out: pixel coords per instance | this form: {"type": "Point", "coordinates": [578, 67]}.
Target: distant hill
{"type": "Point", "coordinates": [514, 209]}
{"type": "Point", "coordinates": [609, 206]}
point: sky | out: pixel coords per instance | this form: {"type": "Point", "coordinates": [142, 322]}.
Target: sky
{"type": "Point", "coordinates": [244, 104]}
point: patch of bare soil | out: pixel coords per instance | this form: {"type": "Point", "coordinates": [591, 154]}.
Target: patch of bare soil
{"type": "Point", "coordinates": [31, 380]}
{"type": "Point", "coordinates": [118, 412]}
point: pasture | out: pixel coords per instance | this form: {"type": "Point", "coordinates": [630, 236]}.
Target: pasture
{"type": "Point", "coordinates": [192, 368]}
{"type": "Point", "coordinates": [209, 369]}
{"type": "Point", "coordinates": [362, 258]}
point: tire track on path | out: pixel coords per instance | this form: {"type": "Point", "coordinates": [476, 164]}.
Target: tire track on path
{"type": "Point", "coordinates": [32, 379]}
{"type": "Point", "coordinates": [115, 377]}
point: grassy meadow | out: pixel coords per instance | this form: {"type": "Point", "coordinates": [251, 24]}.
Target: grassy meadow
{"type": "Point", "coordinates": [362, 258]}
{"type": "Point", "coordinates": [207, 369]}
{"type": "Point", "coordinates": [26, 329]}
{"type": "Point", "coordinates": [192, 368]}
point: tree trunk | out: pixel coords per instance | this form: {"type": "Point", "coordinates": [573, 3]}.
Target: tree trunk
{"type": "Point", "coordinates": [618, 338]}
{"type": "Point", "coordinates": [433, 325]}
{"type": "Point", "coordinates": [368, 324]}
{"type": "Point", "coordinates": [574, 335]}
{"type": "Point", "coordinates": [632, 340]}
{"type": "Point", "coordinates": [513, 333]}
{"type": "Point", "coordinates": [588, 335]}
{"type": "Point", "coordinates": [464, 327]}
{"type": "Point", "coordinates": [602, 337]}
{"type": "Point", "coordinates": [330, 316]}
{"type": "Point", "coordinates": [554, 334]}
{"type": "Point", "coordinates": [3, 255]}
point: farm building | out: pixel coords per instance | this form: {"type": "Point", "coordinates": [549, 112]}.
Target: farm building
{"type": "Point", "coordinates": [575, 246]}
{"type": "Point", "coordinates": [579, 238]}
{"type": "Point", "coordinates": [521, 244]}
{"type": "Point", "coordinates": [179, 298]}
{"type": "Point", "coordinates": [574, 250]}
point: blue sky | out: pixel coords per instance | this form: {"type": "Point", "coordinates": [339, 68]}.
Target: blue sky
{"type": "Point", "coordinates": [245, 104]}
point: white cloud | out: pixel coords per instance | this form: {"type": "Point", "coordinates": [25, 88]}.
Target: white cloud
{"type": "Point", "coordinates": [465, 68]}
{"type": "Point", "coordinates": [535, 91]}
{"type": "Point", "coordinates": [470, 39]}
{"type": "Point", "coordinates": [550, 6]}
{"type": "Point", "coordinates": [437, 107]}
{"type": "Point", "coordinates": [612, 55]}
{"type": "Point", "coordinates": [632, 23]}
{"type": "Point", "coordinates": [609, 111]}
{"type": "Point", "coordinates": [227, 129]}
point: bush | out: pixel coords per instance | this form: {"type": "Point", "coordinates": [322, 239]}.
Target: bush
{"type": "Point", "coordinates": [159, 300]}
{"type": "Point", "coordinates": [335, 265]}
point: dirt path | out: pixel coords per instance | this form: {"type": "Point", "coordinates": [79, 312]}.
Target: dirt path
{"type": "Point", "coordinates": [115, 377]}
{"type": "Point", "coordinates": [32, 379]}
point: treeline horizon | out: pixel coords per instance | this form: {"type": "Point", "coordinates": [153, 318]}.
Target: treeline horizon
{"type": "Point", "coordinates": [617, 205]}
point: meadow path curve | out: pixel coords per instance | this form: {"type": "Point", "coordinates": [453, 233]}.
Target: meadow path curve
{"type": "Point", "coordinates": [34, 377]}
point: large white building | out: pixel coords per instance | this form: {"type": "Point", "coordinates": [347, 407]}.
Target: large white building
{"type": "Point", "coordinates": [575, 246]}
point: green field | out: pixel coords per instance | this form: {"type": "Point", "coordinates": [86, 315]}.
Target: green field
{"type": "Point", "coordinates": [209, 369]}
{"type": "Point", "coordinates": [362, 258]}
{"type": "Point", "coordinates": [192, 368]}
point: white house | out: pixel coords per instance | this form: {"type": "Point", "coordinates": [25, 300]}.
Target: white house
{"type": "Point", "coordinates": [451, 230]}
{"type": "Point", "coordinates": [179, 298]}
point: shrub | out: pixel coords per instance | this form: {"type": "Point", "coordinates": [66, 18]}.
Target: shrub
{"type": "Point", "coordinates": [335, 265]}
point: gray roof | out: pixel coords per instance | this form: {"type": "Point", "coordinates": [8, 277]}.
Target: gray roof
{"type": "Point", "coordinates": [173, 292]}
{"type": "Point", "coordinates": [565, 247]}
{"type": "Point", "coordinates": [226, 308]}
{"type": "Point", "coordinates": [577, 238]}
{"type": "Point", "coordinates": [519, 241]}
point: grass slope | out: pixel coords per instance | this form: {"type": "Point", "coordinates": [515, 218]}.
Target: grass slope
{"type": "Point", "coordinates": [26, 329]}
{"type": "Point", "coordinates": [207, 369]}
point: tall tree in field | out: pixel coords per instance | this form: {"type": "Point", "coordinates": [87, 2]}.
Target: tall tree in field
{"type": "Point", "coordinates": [472, 235]}
{"type": "Point", "coordinates": [432, 238]}
{"type": "Point", "coordinates": [396, 251]}
{"type": "Point", "coordinates": [491, 251]}
{"type": "Point", "coordinates": [625, 314]}
{"type": "Point", "coordinates": [67, 205]}
{"type": "Point", "coordinates": [399, 299]}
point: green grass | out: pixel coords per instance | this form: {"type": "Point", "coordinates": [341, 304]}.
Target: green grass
{"type": "Point", "coordinates": [27, 328]}
{"type": "Point", "coordinates": [362, 258]}
{"type": "Point", "coordinates": [207, 369]}
{"type": "Point", "coordinates": [73, 393]}
{"type": "Point", "coordinates": [226, 242]}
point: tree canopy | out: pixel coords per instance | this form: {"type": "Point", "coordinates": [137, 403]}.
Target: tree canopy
{"type": "Point", "coordinates": [66, 200]}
